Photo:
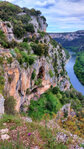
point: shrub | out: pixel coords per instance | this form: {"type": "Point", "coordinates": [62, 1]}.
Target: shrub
{"type": "Point", "coordinates": [38, 82]}
{"type": "Point", "coordinates": [33, 74]}
{"type": "Point", "coordinates": [27, 91]}
{"type": "Point", "coordinates": [12, 44]}
{"type": "Point", "coordinates": [8, 25]}
{"type": "Point", "coordinates": [53, 42]}
{"type": "Point", "coordinates": [51, 73]}
{"type": "Point", "coordinates": [34, 12]}
{"type": "Point", "coordinates": [2, 82]}
{"type": "Point", "coordinates": [48, 103]}
{"type": "Point", "coordinates": [25, 40]}
{"type": "Point", "coordinates": [30, 28]}
{"type": "Point", "coordinates": [26, 46]}
{"type": "Point", "coordinates": [9, 105]}
{"type": "Point", "coordinates": [31, 60]}
{"type": "Point", "coordinates": [13, 53]}
{"type": "Point", "coordinates": [19, 30]}
{"type": "Point", "coordinates": [1, 60]}
{"type": "Point", "coordinates": [37, 49]}
{"type": "Point", "coordinates": [9, 60]}
{"type": "Point", "coordinates": [10, 78]}
{"type": "Point", "coordinates": [42, 34]}
{"type": "Point", "coordinates": [55, 90]}
{"type": "Point", "coordinates": [40, 49]}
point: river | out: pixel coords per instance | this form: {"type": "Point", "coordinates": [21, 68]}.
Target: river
{"type": "Point", "coordinates": [73, 79]}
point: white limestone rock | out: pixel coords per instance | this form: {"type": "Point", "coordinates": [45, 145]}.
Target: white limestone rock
{"type": "Point", "coordinates": [4, 131]}
{"type": "Point", "coordinates": [5, 137]}
{"type": "Point", "coordinates": [1, 105]}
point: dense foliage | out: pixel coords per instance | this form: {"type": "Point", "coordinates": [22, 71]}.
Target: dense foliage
{"type": "Point", "coordinates": [79, 67]}
{"type": "Point", "coordinates": [40, 49]}
{"type": "Point", "coordinates": [53, 100]}
{"type": "Point", "coordinates": [48, 103]}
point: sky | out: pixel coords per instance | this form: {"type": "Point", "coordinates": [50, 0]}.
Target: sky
{"type": "Point", "coordinates": [61, 15]}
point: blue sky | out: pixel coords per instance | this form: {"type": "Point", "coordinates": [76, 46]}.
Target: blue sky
{"type": "Point", "coordinates": [62, 15]}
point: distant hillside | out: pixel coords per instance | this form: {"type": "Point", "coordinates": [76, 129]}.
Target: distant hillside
{"type": "Point", "coordinates": [70, 40]}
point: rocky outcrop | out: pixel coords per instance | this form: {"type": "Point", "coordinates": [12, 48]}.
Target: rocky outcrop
{"type": "Point", "coordinates": [1, 105]}
{"type": "Point", "coordinates": [19, 80]}
{"type": "Point", "coordinates": [66, 112]}
{"type": "Point", "coordinates": [39, 23]}
{"type": "Point", "coordinates": [47, 68]}
{"type": "Point", "coordinates": [7, 29]}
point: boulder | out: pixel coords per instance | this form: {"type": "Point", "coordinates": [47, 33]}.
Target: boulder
{"type": "Point", "coordinates": [5, 137]}
{"type": "Point", "coordinates": [4, 131]}
{"type": "Point", "coordinates": [1, 105]}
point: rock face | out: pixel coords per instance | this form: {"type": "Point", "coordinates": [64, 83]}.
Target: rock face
{"type": "Point", "coordinates": [69, 35]}
{"type": "Point", "coordinates": [66, 112]}
{"type": "Point", "coordinates": [39, 23]}
{"type": "Point", "coordinates": [19, 80]}
{"type": "Point", "coordinates": [1, 105]}
{"type": "Point", "coordinates": [8, 30]}
{"type": "Point", "coordinates": [22, 87]}
{"type": "Point", "coordinates": [47, 68]}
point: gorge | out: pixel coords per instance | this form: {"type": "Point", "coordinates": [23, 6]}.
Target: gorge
{"type": "Point", "coordinates": [39, 108]}
{"type": "Point", "coordinates": [70, 70]}
{"type": "Point", "coordinates": [74, 43]}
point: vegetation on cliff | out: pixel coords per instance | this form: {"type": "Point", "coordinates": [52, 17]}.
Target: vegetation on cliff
{"type": "Point", "coordinates": [50, 104]}
{"type": "Point", "coordinates": [79, 67]}
{"type": "Point", "coordinates": [19, 17]}
{"type": "Point", "coordinates": [29, 68]}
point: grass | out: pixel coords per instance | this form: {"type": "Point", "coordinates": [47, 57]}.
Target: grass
{"type": "Point", "coordinates": [41, 136]}
{"type": "Point", "coordinates": [47, 140]}
{"type": "Point", "coordinates": [10, 119]}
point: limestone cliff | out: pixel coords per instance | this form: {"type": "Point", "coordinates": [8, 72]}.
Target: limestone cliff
{"type": "Point", "coordinates": [34, 64]}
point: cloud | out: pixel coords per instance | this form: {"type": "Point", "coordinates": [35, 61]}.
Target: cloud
{"type": "Point", "coordinates": [46, 3]}
{"type": "Point", "coordinates": [62, 15]}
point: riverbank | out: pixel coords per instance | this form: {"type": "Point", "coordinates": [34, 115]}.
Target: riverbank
{"type": "Point", "coordinates": [79, 67]}
{"type": "Point", "coordinates": [68, 60]}
{"type": "Point", "coordinates": [70, 71]}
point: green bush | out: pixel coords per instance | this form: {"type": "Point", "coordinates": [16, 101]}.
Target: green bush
{"type": "Point", "coordinates": [38, 82]}
{"type": "Point", "coordinates": [27, 91]}
{"type": "Point", "coordinates": [9, 105]}
{"type": "Point", "coordinates": [9, 60]}
{"type": "Point", "coordinates": [23, 57]}
{"type": "Point", "coordinates": [42, 34]}
{"type": "Point", "coordinates": [2, 83]}
{"type": "Point", "coordinates": [30, 28]}
{"type": "Point", "coordinates": [40, 49]}
{"type": "Point", "coordinates": [8, 25]}
{"type": "Point", "coordinates": [34, 12]}
{"type": "Point", "coordinates": [31, 60]}
{"type": "Point", "coordinates": [33, 74]}
{"type": "Point", "coordinates": [19, 30]}
{"type": "Point", "coordinates": [53, 42]}
{"type": "Point", "coordinates": [25, 46]}
{"type": "Point", "coordinates": [48, 103]}
{"type": "Point", "coordinates": [1, 60]}
{"type": "Point", "coordinates": [51, 73]}
{"type": "Point", "coordinates": [55, 90]}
